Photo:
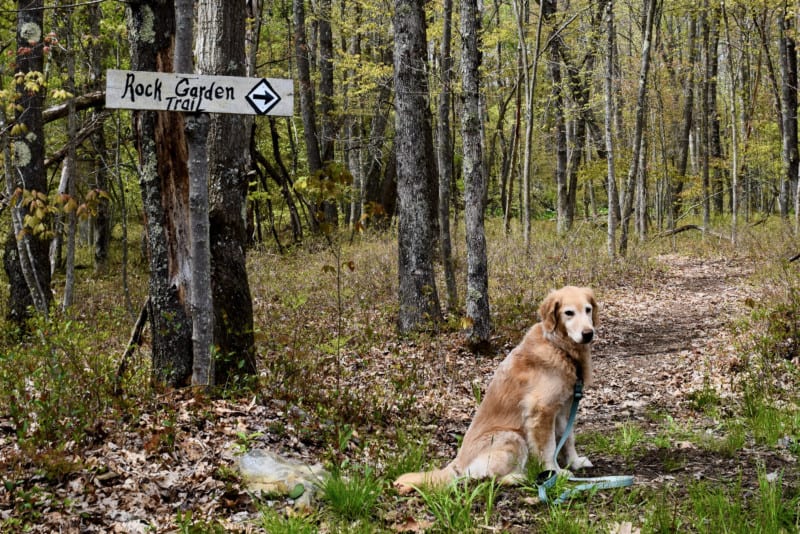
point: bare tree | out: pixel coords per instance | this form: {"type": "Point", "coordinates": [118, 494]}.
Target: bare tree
{"type": "Point", "coordinates": [26, 259]}
{"type": "Point", "coordinates": [475, 182]}
{"type": "Point", "coordinates": [445, 158]}
{"type": "Point", "coordinates": [164, 183]}
{"type": "Point", "coordinates": [639, 125]}
{"type": "Point", "coordinates": [419, 301]}
{"type": "Point", "coordinates": [221, 51]}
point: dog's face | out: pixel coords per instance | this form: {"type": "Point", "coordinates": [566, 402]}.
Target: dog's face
{"type": "Point", "coordinates": [570, 312]}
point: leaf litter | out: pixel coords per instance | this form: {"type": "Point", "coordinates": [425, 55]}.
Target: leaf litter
{"type": "Point", "coordinates": [659, 343]}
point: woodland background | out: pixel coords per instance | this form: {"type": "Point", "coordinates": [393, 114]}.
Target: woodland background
{"type": "Point", "coordinates": [370, 259]}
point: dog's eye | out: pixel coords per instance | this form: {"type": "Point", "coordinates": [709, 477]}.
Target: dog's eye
{"type": "Point", "coordinates": [588, 309]}
{"type": "Point", "coordinates": [569, 313]}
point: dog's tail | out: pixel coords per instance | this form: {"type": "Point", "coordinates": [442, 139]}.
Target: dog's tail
{"type": "Point", "coordinates": [437, 478]}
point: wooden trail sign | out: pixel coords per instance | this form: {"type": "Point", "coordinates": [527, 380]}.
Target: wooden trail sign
{"type": "Point", "coordinates": [167, 91]}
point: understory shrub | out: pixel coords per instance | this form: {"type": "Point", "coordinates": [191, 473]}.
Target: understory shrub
{"type": "Point", "coordinates": [56, 384]}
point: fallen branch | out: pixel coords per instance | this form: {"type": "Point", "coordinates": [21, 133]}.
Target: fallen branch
{"type": "Point", "coordinates": [687, 227]}
{"type": "Point", "coordinates": [135, 341]}
{"type": "Point", "coordinates": [794, 258]}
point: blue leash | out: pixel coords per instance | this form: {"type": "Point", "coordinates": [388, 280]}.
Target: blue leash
{"type": "Point", "coordinates": [547, 479]}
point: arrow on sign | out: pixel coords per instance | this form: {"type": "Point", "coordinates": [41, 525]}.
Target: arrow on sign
{"type": "Point", "coordinates": [262, 97]}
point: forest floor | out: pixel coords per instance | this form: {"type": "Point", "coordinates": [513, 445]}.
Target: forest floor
{"type": "Point", "coordinates": [666, 345]}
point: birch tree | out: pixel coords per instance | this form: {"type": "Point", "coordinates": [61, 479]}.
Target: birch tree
{"type": "Point", "coordinates": [202, 304]}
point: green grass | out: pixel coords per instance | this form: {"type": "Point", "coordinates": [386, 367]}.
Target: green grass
{"type": "Point", "coordinates": [354, 495]}
{"type": "Point", "coordinates": [275, 522]}
{"type": "Point", "coordinates": [455, 508]}
{"type": "Point", "coordinates": [57, 382]}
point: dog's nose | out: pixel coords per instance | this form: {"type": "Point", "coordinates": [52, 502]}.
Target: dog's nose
{"type": "Point", "coordinates": [588, 335]}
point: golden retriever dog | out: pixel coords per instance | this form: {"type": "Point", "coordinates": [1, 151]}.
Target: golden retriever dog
{"type": "Point", "coordinates": [526, 407]}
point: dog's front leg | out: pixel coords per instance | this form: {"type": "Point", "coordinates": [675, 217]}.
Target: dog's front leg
{"type": "Point", "coordinates": [573, 461]}
{"type": "Point", "coordinates": [540, 432]}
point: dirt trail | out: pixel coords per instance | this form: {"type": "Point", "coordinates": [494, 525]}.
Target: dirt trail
{"type": "Point", "coordinates": [659, 344]}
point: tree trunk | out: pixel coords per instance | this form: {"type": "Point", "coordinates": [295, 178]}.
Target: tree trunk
{"type": "Point", "coordinates": [641, 192]}
{"type": "Point", "coordinates": [221, 31]}
{"type": "Point", "coordinates": [101, 222]}
{"type": "Point", "coordinates": [445, 159]}
{"type": "Point", "coordinates": [686, 122]}
{"type": "Point", "coordinates": [475, 185]}
{"type": "Point", "coordinates": [164, 183]}
{"type": "Point", "coordinates": [608, 88]}
{"type": "Point", "coordinates": [202, 306]}
{"type": "Point", "coordinates": [380, 193]}
{"type": "Point", "coordinates": [639, 125]}
{"type": "Point", "coordinates": [789, 153]}
{"type": "Point", "coordinates": [26, 258]}
{"type": "Point", "coordinates": [715, 141]}
{"type": "Point", "coordinates": [734, 130]}
{"type": "Point", "coordinates": [419, 301]}
{"type": "Point", "coordinates": [326, 108]}
{"type": "Point", "coordinates": [529, 79]}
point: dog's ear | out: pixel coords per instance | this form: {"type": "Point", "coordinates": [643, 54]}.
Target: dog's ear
{"type": "Point", "coordinates": [548, 311]}
{"type": "Point", "coordinates": [595, 307]}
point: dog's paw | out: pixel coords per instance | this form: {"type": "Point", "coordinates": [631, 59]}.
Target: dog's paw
{"type": "Point", "coordinates": [403, 489]}
{"type": "Point", "coordinates": [581, 462]}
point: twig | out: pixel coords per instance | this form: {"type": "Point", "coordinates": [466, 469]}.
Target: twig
{"type": "Point", "coordinates": [135, 341]}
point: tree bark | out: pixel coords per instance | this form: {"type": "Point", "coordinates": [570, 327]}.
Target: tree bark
{"type": "Point", "coordinates": [26, 257]}
{"type": "Point", "coordinates": [445, 159]}
{"type": "Point", "coordinates": [734, 131]}
{"type": "Point", "coordinates": [221, 46]}
{"type": "Point", "coordinates": [419, 301]}
{"type": "Point", "coordinates": [639, 125]}
{"type": "Point", "coordinates": [608, 89]}
{"type": "Point", "coordinates": [101, 222]}
{"type": "Point", "coordinates": [196, 124]}
{"type": "Point", "coordinates": [475, 183]}
{"type": "Point", "coordinates": [687, 122]}
{"type": "Point", "coordinates": [164, 183]}
{"type": "Point", "coordinates": [715, 141]}
{"type": "Point", "coordinates": [789, 154]}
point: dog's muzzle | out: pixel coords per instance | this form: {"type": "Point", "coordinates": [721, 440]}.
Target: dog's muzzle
{"type": "Point", "coordinates": [587, 336]}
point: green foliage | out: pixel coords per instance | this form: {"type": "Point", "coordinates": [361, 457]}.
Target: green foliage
{"type": "Point", "coordinates": [625, 441]}
{"type": "Point", "coordinates": [55, 382]}
{"type": "Point", "coordinates": [188, 524]}
{"type": "Point", "coordinates": [410, 455]}
{"type": "Point", "coordinates": [354, 495]}
{"type": "Point", "coordinates": [454, 506]}
{"type": "Point", "coordinates": [274, 522]}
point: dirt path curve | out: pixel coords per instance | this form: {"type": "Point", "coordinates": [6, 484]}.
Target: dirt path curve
{"type": "Point", "coordinates": [660, 343]}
